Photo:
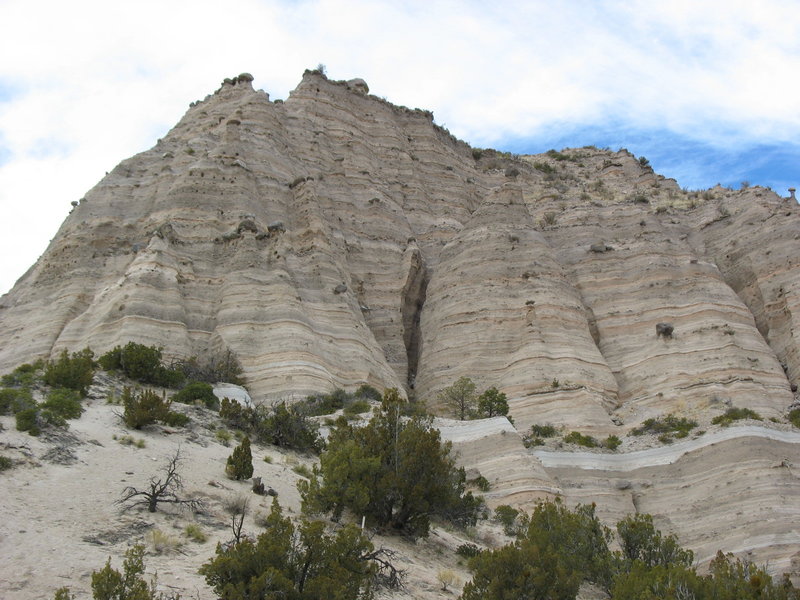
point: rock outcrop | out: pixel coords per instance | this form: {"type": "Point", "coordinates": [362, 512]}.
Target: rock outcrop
{"type": "Point", "coordinates": [334, 239]}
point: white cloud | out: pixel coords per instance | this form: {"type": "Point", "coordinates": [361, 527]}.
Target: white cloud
{"type": "Point", "coordinates": [93, 82]}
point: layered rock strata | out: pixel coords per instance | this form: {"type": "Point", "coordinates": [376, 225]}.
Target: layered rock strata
{"type": "Point", "coordinates": [334, 239]}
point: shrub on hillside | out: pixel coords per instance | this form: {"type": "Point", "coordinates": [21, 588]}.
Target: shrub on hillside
{"type": "Point", "coordinates": [64, 402]}
{"type": "Point", "coordinates": [28, 420]}
{"type": "Point", "coordinates": [395, 471]}
{"type": "Point", "coordinates": [735, 414]}
{"type": "Point", "coordinates": [141, 363]}
{"type": "Point", "coordinates": [13, 400]}
{"type": "Point", "coordinates": [240, 462]}
{"type": "Point", "coordinates": [284, 426]}
{"type": "Point", "coordinates": [74, 371]}
{"type": "Point", "coordinates": [575, 437]}
{"type": "Point", "coordinates": [145, 407]}
{"type": "Point", "coordinates": [555, 550]}
{"type": "Point", "coordinates": [197, 391]}
{"type": "Point", "coordinates": [212, 368]}
{"type": "Point", "coordinates": [276, 424]}
{"type": "Point", "coordinates": [667, 427]}
{"type": "Point", "coordinates": [25, 375]}
{"type": "Point", "coordinates": [299, 562]}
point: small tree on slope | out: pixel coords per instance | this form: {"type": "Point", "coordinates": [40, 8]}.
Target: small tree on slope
{"type": "Point", "coordinates": [240, 462]}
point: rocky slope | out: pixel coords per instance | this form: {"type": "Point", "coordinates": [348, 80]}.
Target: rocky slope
{"type": "Point", "coordinates": [334, 239]}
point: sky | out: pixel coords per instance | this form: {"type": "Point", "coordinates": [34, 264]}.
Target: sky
{"type": "Point", "coordinates": [707, 90]}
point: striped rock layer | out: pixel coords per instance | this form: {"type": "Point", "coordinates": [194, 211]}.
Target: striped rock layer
{"type": "Point", "coordinates": [334, 239]}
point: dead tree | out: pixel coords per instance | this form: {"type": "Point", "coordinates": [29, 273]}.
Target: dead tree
{"type": "Point", "coordinates": [237, 508]}
{"type": "Point", "coordinates": [161, 489]}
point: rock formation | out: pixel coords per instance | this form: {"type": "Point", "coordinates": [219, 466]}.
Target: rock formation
{"type": "Point", "coordinates": [334, 239]}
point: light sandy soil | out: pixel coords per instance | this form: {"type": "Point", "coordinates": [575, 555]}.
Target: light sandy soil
{"type": "Point", "coordinates": [59, 521]}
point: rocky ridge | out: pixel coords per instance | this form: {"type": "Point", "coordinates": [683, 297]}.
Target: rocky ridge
{"type": "Point", "coordinates": [334, 239]}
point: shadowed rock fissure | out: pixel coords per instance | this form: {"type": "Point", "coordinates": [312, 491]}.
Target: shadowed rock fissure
{"type": "Point", "coordinates": [411, 309]}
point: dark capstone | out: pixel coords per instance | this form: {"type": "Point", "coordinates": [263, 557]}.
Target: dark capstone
{"type": "Point", "coordinates": [664, 330]}
{"type": "Point", "coordinates": [247, 225]}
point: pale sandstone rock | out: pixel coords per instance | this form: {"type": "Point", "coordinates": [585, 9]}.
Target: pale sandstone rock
{"type": "Point", "coordinates": [334, 239]}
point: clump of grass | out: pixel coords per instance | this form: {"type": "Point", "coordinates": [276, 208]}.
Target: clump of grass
{"type": "Point", "coordinates": [224, 436]}
{"type": "Point", "coordinates": [195, 533]}
{"type": "Point", "coordinates": [667, 427]}
{"type": "Point", "coordinates": [162, 543]}
{"type": "Point", "coordinates": [302, 470]}
{"type": "Point", "coordinates": [575, 437]}
{"type": "Point", "coordinates": [5, 463]}
{"type": "Point", "coordinates": [129, 440]}
{"type": "Point", "coordinates": [794, 417]}
{"type": "Point", "coordinates": [735, 414]}
{"type": "Point", "coordinates": [267, 459]}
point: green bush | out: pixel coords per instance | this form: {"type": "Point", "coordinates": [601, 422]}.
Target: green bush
{"type": "Point", "coordinates": [555, 550]}
{"type": "Point", "coordinates": [612, 442]}
{"type": "Point", "coordinates": [300, 562]}
{"type": "Point", "coordinates": [735, 414]}
{"type": "Point", "coordinates": [141, 363]}
{"type": "Point", "coordinates": [175, 419]}
{"type": "Point", "coordinates": [368, 392]}
{"type": "Point", "coordinates": [110, 584]}
{"type": "Point", "coordinates": [481, 483]}
{"type": "Point", "coordinates": [25, 375]}
{"type": "Point", "coordinates": [143, 407]}
{"type": "Point", "coordinates": [28, 420]}
{"type": "Point", "coordinates": [64, 402]}
{"type": "Point", "coordinates": [641, 541]}
{"type": "Point", "coordinates": [574, 437]}
{"type": "Point", "coordinates": [13, 400]}
{"type": "Point", "coordinates": [468, 550]}
{"type": "Point", "coordinates": [5, 463]}
{"type": "Point", "coordinates": [534, 438]}
{"type": "Point", "coordinates": [667, 426]}
{"type": "Point", "coordinates": [544, 431]}
{"type": "Point", "coordinates": [324, 404]}
{"type": "Point", "coordinates": [197, 390]}
{"type": "Point", "coordinates": [395, 471]}
{"type": "Point", "coordinates": [240, 462]}
{"type": "Point", "coordinates": [557, 155]}
{"type": "Point", "coordinates": [286, 427]}
{"type": "Point", "coordinates": [357, 407]}
{"type": "Point", "coordinates": [277, 424]}
{"type": "Point", "coordinates": [794, 417]}
{"type": "Point", "coordinates": [507, 516]}
{"type": "Point", "coordinates": [544, 167]}
{"type": "Point", "coordinates": [74, 371]}
{"type": "Point", "coordinates": [220, 366]}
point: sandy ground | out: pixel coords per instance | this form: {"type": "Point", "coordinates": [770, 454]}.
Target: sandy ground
{"type": "Point", "coordinates": [59, 521]}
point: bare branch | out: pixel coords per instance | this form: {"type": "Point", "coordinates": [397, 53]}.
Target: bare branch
{"type": "Point", "coordinates": [388, 575]}
{"type": "Point", "coordinates": [159, 490]}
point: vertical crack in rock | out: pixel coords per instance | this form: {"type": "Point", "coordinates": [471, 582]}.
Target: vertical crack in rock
{"type": "Point", "coordinates": [413, 299]}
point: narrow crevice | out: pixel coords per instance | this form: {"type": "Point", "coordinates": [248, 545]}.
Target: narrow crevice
{"type": "Point", "coordinates": [413, 301]}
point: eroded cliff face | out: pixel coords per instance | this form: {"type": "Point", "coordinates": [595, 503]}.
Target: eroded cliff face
{"type": "Point", "coordinates": [334, 239]}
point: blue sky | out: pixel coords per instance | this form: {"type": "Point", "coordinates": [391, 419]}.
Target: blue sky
{"type": "Point", "coordinates": [707, 90]}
